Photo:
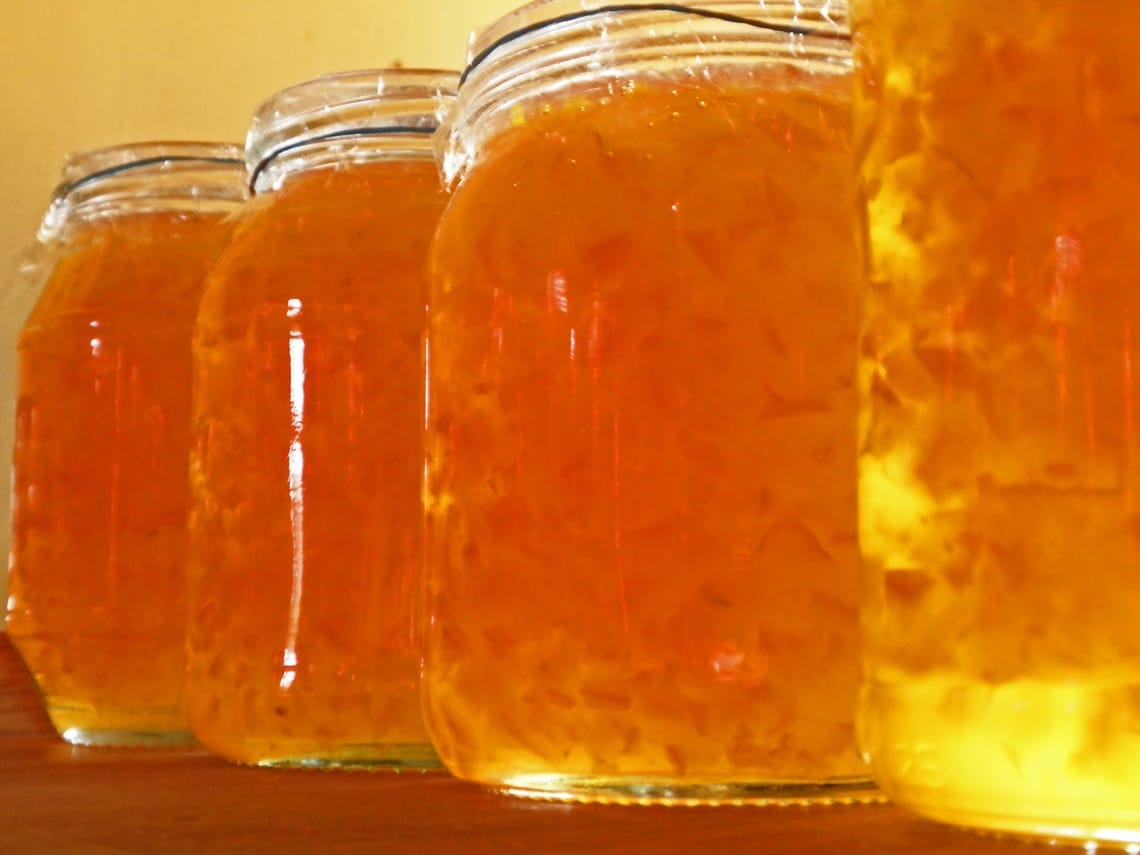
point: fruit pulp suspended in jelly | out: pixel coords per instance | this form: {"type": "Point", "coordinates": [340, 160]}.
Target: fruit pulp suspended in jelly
{"type": "Point", "coordinates": [307, 473]}
{"type": "Point", "coordinates": [97, 593]}
{"type": "Point", "coordinates": [641, 555]}
{"type": "Point", "coordinates": [998, 465]}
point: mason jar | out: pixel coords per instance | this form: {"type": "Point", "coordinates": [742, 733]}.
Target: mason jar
{"type": "Point", "coordinates": [998, 467]}
{"type": "Point", "coordinates": [641, 559]}
{"type": "Point", "coordinates": [308, 421]}
{"type": "Point", "coordinates": [96, 601]}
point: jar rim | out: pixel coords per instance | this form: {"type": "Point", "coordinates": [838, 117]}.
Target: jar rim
{"type": "Point", "coordinates": [781, 16]}
{"type": "Point", "coordinates": [89, 165]}
{"type": "Point", "coordinates": [373, 102]}
{"type": "Point", "coordinates": [551, 47]}
{"type": "Point", "coordinates": [154, 175]}
{"type": "Point", "coordinates": [318, 95]}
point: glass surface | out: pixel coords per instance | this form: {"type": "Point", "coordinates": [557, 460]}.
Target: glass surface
{"type": "Point", "coordinates": [998, 465]}
{"type": "Point", "coordinates": [97, 598]}
{"type": "Point", "coordinates": [307, 474]}
{"type": "Point", "coordinates": [641, 524]}
{"type": "Point", "coordinates": [307, 529]}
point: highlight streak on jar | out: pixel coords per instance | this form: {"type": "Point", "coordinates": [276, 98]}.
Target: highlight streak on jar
{"type": "Point", "coordinates": [296, 489]}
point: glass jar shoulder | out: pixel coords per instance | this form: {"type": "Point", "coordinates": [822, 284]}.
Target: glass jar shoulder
{"type": "Point", "coordinates": [142, 270]}
{"type": "Point", "coordinates": [313, 205]}
{"type": "Point", "coordinates": [331, 249]}
{"type": "Point", "coordinates": [679, 122]}
{"type": "Point", "coordinates": [329, 226]}
{"type": "Point", "coordinates": [650, 110]}
{"type": "Point", "coordinates": [656, 155]}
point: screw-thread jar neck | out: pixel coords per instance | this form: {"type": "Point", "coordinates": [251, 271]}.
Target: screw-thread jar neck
{"type": "Point", "coordinates": [346, 118]}
{"type": "Point", "coordinates": [145, 177]}
{"type": "Point", "coordinates": [552, 46]}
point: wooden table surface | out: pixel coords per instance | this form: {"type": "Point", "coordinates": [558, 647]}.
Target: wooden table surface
{"type": "Point", "coordinates": [56, 798]}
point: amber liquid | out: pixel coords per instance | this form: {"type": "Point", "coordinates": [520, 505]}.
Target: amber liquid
{"type": "Point", "coordinates": [307, 474]}
{"type": "Point", "coordinates": [998, 449]}
{"type": "Point", "coordinates": [97, 587]}
{"type": "Point", "coordinates": [641, 558]}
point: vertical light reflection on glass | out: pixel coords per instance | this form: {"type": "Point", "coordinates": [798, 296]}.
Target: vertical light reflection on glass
{"type": "Point", "coordinates": [1129, 421]}
{"type": "Point", "coordinates": [497, 320]}
{"type": "Point", "coordinates": [573, 368]}
{"type": "Point", "coordinates": [426, 386]}
{"type": "Point", "coordinates": [425, 482]}
{"type": "Point", "coordinates": [1090, 408]}
{"type": "Point", "coordinates": [296, 464]}
{"type": "Point", "coordinates": [115, 502]}
{"type": "Point", "coordinates": [557, 320]}
{"type": "Point", "coordinates": [1068, 262]}
{"type": "Point", "coordinates": [594, 355]}
{"type": "Point", "coordinates": [556, 300]}
{"type": "Point", "coordinates": [618, 555]}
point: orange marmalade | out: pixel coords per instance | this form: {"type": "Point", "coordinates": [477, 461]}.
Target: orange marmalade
{"type": "Point", "coordinates": [97, 597]}
{"type": "Point", "coordinates": [999, 473]}
{"type": "Point", "coordinates": [308, 422]}
{"type": "Point", "coordinates": [641, 523]}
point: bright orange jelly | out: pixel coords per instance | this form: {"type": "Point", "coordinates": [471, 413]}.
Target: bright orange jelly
{"type": "Point", "coordinates": [641, 558]}
{"type": "Point", "coordinates": [96, 601]}
{"type": "Point", "coordinates": [307, 473]}
{"type": "Point", "coordinates": [998, 466]}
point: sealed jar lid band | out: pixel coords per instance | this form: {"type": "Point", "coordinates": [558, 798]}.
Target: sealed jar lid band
{"type": "Point", "coordinates": [788, 29]}
{"type": "Point", "coordinates": [146, 161]}
{"type": "Point", "coordinates": [387, 130]}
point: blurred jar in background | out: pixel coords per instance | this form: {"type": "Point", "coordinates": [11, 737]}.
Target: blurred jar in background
{"type": "Point", "coordinates": [998, 466]}
{"type": "Point", "coordinates": [641, 525]}
{"type": "Point", "coordinates": [308, 424]}
{"type": "Point", "coordinates": [96, 602]}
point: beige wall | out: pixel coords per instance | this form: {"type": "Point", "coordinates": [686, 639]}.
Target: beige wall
{"type": "Point", "coordinates": [76, 74]}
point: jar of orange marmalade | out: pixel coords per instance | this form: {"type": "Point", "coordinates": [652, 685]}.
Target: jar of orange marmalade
{"type": "Point", "coordinates": [97, 586]}
{"type": "Point", "coordinates": [641, 561]}
{"type": "Point", "coordinates": [998, 466]}
{"type": "Point", "coordinates": [308, 422]}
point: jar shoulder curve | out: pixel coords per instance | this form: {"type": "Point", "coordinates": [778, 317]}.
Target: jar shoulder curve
{"type": "Point", "coordinates": [345, 239]}
{"type": "Point", "coordinates": [146, 267]}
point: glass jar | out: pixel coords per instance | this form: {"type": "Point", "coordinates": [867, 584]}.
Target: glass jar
{"type": "Point", "coordinates": [96, 603]}
{"type": "Point", "coordinates": [998, 465]}
{"type": "Point", "coordinates": [641, 527]}
{"type": "Point", "coordinates": [308, 420]}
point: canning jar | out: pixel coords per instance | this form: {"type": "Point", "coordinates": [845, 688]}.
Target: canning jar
{"type": "Point", "coordinates": [100, 496]}
{"type": "Point", "coordinates": [641, 560]}
{"type": "Point", "coordinates": [308, 427]}
{"type": "Point", "coordinates": [998, 466]}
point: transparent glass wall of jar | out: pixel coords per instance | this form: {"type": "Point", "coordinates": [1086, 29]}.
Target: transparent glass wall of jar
{"type": "Point", "coordinates": [641, 559]}
{"type": "Point", "coordinates": [96, 604]}
{"type": "Point", "coordinates": [308, 423]}
{"type": "Point", "coordinates": [997, 448]}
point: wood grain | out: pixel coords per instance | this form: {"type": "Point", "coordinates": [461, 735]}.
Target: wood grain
{"type": "Point", "coordinates": [56, 798]}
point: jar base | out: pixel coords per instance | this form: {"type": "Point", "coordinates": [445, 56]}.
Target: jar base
{"type": "Point", "coordinates": [121, 728]}
{"type": "Point", "coordinates": [1029, 758]}
{"type": "Point", "coordinates": [1052, 830]}
{"type": "Point", "coordinates": [396, 757]}
{"type": "Point", "coordinates": [634, 791]}
{"type": "Point", "coordinates": [104, 737]}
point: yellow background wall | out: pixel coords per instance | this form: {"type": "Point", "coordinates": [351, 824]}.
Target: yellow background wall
{"type": "Point", "coordinates": [77, 74]}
